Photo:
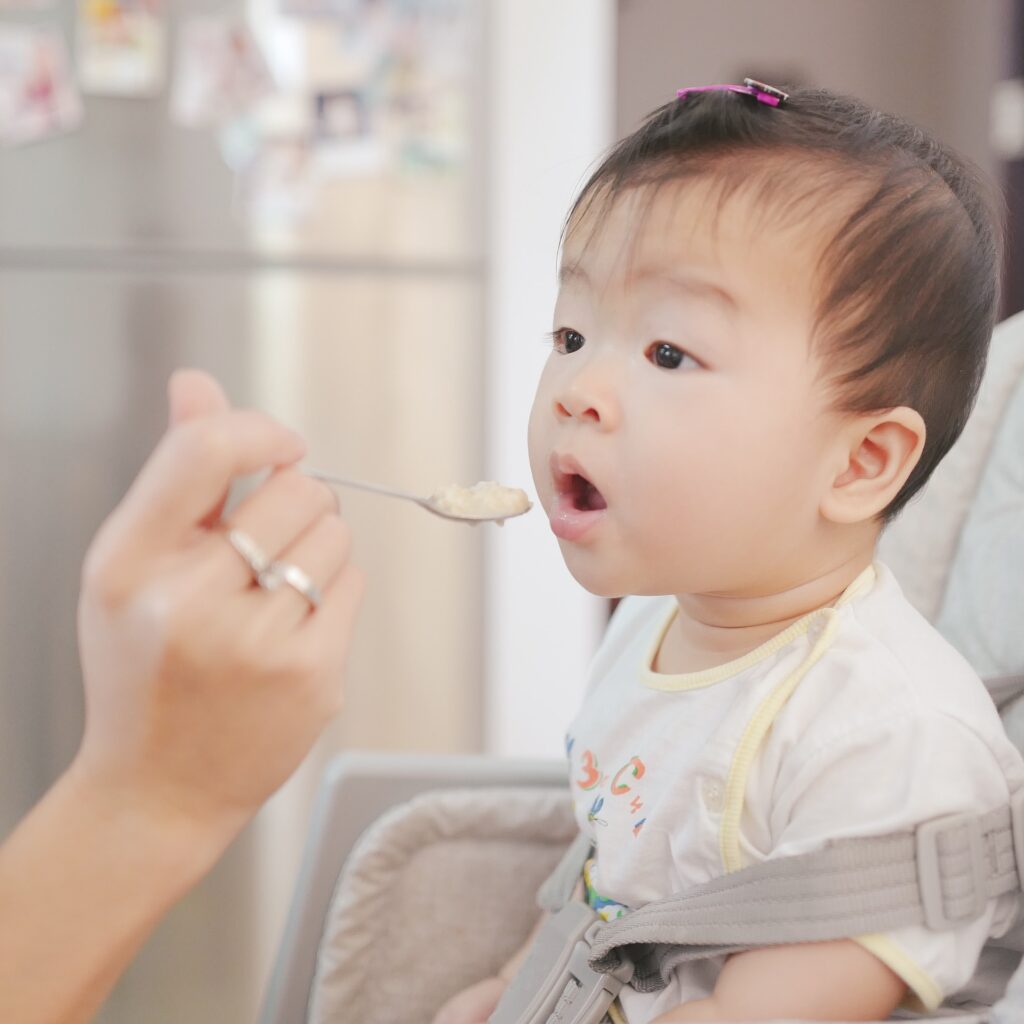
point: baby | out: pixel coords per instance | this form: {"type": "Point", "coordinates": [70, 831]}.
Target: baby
{"type": "Point", "coordinates": [773, 318]}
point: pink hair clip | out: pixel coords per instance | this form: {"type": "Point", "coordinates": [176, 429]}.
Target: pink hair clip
{"type": "Point", "coordinates": [751, 87]}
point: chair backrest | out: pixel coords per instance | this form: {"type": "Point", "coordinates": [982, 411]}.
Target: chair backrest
{"type": "Point", "coordinates": [923, 546]}
{"type": "Point", "coordinates": [438, 894]}
{"type": "Point", "coordinates": [982, 613]}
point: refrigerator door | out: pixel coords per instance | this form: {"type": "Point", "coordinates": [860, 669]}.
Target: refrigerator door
{"type": "Point", "coordinates": [132, 178]}
{"type": "Point", "coordinates": [380, 372]}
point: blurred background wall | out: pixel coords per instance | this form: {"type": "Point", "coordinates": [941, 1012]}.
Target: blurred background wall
{"type": "Point", "coordinates": [953, 66]}
{"type": "Point", "coordinates": [383, 287]}
{"type": "Point", "coordinates": [935, 61]}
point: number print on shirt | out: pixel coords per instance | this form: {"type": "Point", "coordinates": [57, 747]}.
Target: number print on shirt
{"type": "Point", "coordinates": [591, 774]}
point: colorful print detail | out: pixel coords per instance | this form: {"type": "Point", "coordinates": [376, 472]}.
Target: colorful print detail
{"type": "Point", "coordinates": [607, 910]}
{"type": "Point", "coordinates": [591, 774]}
{"type": "Point", "coordinates": [636, 768]}
{"type": "Point", "coordinates": [589, 777]}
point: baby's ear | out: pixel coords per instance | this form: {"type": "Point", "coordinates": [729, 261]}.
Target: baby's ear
{"type": "Point", "coordinates": [881, 452]}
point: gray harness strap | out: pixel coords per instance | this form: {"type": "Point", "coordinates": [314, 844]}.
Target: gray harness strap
{"type": "Point", "coordinates": [941, 874]}
{"type": "Point", "coordinates": [557, 890]}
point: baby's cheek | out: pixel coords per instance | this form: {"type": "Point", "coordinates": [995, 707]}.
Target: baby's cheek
{"type": "Point", "coordinates": [765, 442]}
{"type": "Point", "coordinates": [717, 484]}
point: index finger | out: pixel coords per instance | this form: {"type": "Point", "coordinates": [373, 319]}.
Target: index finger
{"type": "Point", "coordinates": [191, 469]}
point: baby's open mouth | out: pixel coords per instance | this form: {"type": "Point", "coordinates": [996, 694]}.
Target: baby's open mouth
{"type": "Point", "coordinates": [578, 504]}
{"type": "Point", "coordinates": [585, 496]}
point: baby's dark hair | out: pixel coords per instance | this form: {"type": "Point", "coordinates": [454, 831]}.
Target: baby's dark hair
{"type": "Point", "coordinates": [908, 288]}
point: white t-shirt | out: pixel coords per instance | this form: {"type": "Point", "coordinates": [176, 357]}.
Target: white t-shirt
{"type": "Point", "coordinates": [858, 719]}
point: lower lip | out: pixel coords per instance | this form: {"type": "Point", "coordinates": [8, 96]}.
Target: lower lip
{"type": "Point", "coordinates": [569, 523]}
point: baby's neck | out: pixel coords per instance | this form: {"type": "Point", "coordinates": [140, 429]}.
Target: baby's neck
{"type": "Point", "coordinates": [712, 629]}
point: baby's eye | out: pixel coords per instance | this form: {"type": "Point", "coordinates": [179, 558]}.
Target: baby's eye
{"type": "Point", "coordinates": [567, 341]}
{"type": "Point", "coordinates": [667, 356]}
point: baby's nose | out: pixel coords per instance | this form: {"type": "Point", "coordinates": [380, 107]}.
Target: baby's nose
{"type": "Point", "coordinates": [584, 401]}
{"type": "Point", "coordinates": [569, 409]}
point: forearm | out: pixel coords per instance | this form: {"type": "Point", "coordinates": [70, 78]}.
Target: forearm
{"type": "Point", "coordinates": [813, 981]}
{"type": "Point", "coordinates": [83, 881]}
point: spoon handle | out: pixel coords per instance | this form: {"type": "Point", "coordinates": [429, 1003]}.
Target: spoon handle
{"type": "Point", "coordinates": [361, 485]}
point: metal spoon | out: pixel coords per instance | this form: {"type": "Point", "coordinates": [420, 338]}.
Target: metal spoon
{"type": "Point", "coordinates": [428, 503]}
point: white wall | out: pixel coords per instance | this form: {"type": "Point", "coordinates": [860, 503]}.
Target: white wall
{"type": "Point", "coordinates": [550, 113]}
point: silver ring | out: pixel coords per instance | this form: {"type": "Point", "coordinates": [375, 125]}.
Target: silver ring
{"type": "Point", "coordinates": [252, 554]}
{"type": "Point", "coordinates": [285, 572]}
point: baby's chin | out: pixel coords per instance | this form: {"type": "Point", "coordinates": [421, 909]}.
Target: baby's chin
{"type": "Point", "coordinates": [601, 580]}
{"type": "Point", "coordinates": [614, 581]}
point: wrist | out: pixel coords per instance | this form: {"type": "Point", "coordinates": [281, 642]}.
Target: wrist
{"type": "Point", "coordinates": [169, 840]}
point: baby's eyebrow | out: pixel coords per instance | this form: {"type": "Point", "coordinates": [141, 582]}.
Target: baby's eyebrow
{"type": "Point", "coordinates": [691, 283]}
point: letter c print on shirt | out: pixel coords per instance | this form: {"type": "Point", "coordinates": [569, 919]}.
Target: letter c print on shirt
{"type": "Point", "coordinates": [636, 768]}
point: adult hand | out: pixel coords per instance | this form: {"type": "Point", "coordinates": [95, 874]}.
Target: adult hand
{"type": "Point", "coordinates": [203, 691]}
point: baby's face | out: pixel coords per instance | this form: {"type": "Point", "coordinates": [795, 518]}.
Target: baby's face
{"type": "Point", "coordinates": [679, 440]}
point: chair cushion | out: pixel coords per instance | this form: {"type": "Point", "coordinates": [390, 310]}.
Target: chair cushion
{"type": "Point", "coordinates": [982, 614]}
{"type": "Point", "coordinates": [920, 545]}
{"type": "Point", "coordinates": [437, 895]}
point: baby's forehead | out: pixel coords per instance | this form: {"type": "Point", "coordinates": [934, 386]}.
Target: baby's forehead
{"type": "Point", "coordinates": [736, 238]}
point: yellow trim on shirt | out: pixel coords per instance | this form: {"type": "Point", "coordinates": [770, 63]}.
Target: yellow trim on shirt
{"type": "Point", "coordinates": [761, 720]}
{"type": "Point", "coordinates": [673, 682]}
{"type": "Point", "coordinates": [706, 677]}
{"type": "Point", "coordinates": [616, 1014]}
{"type": "Point", "coordinates": [921, 983]}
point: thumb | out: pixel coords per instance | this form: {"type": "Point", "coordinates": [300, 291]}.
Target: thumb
{"type": "Point", "coordinates": [193, 393]}
{"type": "Point", "coordinates": [185, 482]}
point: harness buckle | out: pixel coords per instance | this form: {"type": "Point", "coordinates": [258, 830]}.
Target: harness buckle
{"type": "Point", "coordinates": [934, 900]}
{"type": "Point", "coordinates": [556, 983]}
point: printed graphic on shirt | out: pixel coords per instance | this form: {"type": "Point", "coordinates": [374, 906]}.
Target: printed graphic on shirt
{"type": "Point", "coordinates": [623, 789]}
{"type": "Point", "coordinates": [590, 776]}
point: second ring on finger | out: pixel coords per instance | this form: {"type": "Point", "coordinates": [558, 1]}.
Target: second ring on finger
{"type": "Point", "coordinates": [317, 557]}
{"type": "Point", "coordinates": [270, 520]}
